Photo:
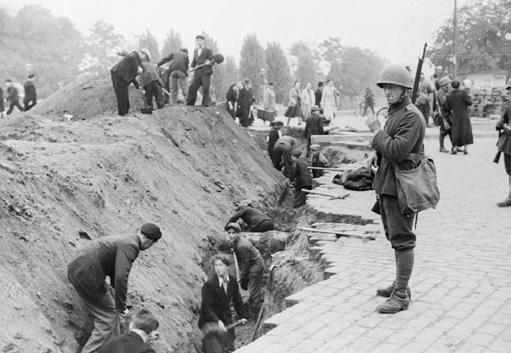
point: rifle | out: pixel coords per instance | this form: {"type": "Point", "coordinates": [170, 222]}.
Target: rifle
{"type": "Point", "coordinates": [497, 156]}
{"type": "Point", "coordinates": [418, 74]}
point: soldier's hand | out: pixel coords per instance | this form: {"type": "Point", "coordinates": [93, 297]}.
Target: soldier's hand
{"type": "Point", "coordinates": [243, 321]}
{"type": "Point", "coordinates": [221, 326]}
{"type": "Point", "coordinates": [373, 123]}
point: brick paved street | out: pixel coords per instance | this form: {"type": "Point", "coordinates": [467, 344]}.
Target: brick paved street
{"type": "Point", "coordinates": [461, 285]}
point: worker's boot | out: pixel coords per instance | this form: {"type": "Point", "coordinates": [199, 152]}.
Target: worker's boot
{"type": "Point", "coordinates": [386, 292]}
{"type": "Point", "coordinates": [399, 299]}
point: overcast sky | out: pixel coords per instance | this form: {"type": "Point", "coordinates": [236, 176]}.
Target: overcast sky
{"type": "Point", "coordinates": [395, 29]}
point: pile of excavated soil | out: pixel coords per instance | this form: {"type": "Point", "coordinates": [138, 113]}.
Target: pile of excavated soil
{"type": "Point", "coordinates": [85, 99]}
{"type": "Point", "coordinates": [181, 168]}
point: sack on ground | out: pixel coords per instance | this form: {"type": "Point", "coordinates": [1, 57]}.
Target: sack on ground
{"type": "Point", "coordinates": [417, 188]}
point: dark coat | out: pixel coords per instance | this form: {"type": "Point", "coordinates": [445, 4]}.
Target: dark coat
{"type": "Point", "coordinates": [318, 94]}
{"type": "Point", "coordinates": [127, 67]}
{"type": "Point", "coordinates": [206, 54]}
{"type": "Point", "coordinates": [216, 304]}
{"type": "Point", "coordinates": [149, 74]}
{"type": "Point", "coordinates": [179, 62]}
{"type": "Point", "coordinates": [457, 103]}
{"type": "Point", "coordinates": [128, 343]}
{"type": "Point", "coordinates": [248, 256]}
{"type": "Point", "coordinates": [504, 142]}
{"type": "Point", "coordinates": [300, 174]}
{"type": "Point", "coordinates": [2, 108]}
{"type": "Point", "coordinates": [110, 256]}
{"type": "Point", "coordinates": [12, 94]}
{"type": "Point", "coordinates": [30, 92]}
{"type": "Point", "coordinates": [313, 126]}
{"type": "Point", "coordinates": [250, 216]}
{"type": "Point", "coordinates": [272, 139]}
{"type": "Point", "coordinates": [245, 101]}
{"type": "Point", "coordinates": [403, 134]}
{"type": "Point", "coordinates": [231, 95]}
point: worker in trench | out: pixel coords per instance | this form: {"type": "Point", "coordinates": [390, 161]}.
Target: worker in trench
{"type": "Point", "coordinates": [111, 256]}
{"type": "Point", "coordinates": [281, 156]}
{"type": "Point", "coordinates": [402, 135]}
{"type": "Point", "coordinates": [301, 177]}
{"type": "Point", "coordinates": [250, 266]}
{"type": "Point", "coordinates": [253, 219]}
{"type": "Point", "coordinates": [215, 316]}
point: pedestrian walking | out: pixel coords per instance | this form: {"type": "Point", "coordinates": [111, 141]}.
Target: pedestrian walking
{"type": "Point", "coordinates": [202, 64]}
{"type": "Point", "coordinates": [123, 73]}
{"type": "Point", "coordinates": [307, 99]}
{"type": "Point", "coordinates": [253, 219]}
{"type": "Point", "coordinates": [457, 103]}
{"type": "Point", "coordinates": [301, 177]}
{"type": "Point", "coordinates": [402, 135]}
{"type": "Point", "coordinates": [231, 99]}
{"type": "Point", "coordinates": [142, 329]}
{"type": "Point", "coordinates": [318, 160]}
{"type": "Point", "coordinates": [178, 73]}
{"type": "Point", "coordinates": [293, 109]}
{"type": "Point", "coordinates": [369, 101]}
{"type": "Point", "coordinates": [245, 102]}
{"type": "Point", "coordinates": [12, 97]}
{"type": "Point", "coordinates": [30, 98]}
{"type": "Point", "coordinates": [443, 116]}
{"type": "Point", "coordinates": [504, 142]}
{"type": "Point", "coordinates": [111, 256]}
{"type": "Point", "coordinates": [273, 137]}
{"type": "Point", "coordinates": [251, 267]}
{"type": "Point", "coordinates": [328, 102]}
{"type": "Point", "coordinates": [313, 126]}
{"type": "Point", "coordinates": [218, 293]}
{"type": "Point", "coordinates": [282, 154]}
{"type": "Point", "coordinates": [151, 82]}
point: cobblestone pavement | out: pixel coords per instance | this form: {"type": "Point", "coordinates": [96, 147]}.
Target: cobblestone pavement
{"type": "Point", "coordinates": [461, 285]}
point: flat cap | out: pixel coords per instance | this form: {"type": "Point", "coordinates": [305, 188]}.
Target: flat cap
{"type": "Point", "coordinates": [152, 231]}
{"type": "Point", "coordinates": [199, 36]}
{"type": "Point", "coordinates": [315, 146]}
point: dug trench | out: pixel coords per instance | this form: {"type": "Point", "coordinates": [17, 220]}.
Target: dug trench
{"type": "Point", "coordinates": [69, 180]}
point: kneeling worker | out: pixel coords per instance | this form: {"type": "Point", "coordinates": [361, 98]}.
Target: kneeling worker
{"type": "Point", "coordinates": [217, 294]}
{"type": "Point", "coordinates": [255, 220]}
{"type": "Point", "coordinates": [142, 331]}
{"type": "Point", "coordinates": [110, 256]}
{"type": "Point", "coordinates": [251, 267]}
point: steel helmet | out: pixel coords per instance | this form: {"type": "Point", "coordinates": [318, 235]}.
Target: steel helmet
{"type": "Point", "coordinates": [444, 81]}
{"type": "Point", "coordinates": [396, 75]}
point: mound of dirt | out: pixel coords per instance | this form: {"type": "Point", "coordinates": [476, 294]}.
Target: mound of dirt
{"type": "Point", "coordinates": [85, 99]}
{"type": "Point", "coordinates": [62, 181]}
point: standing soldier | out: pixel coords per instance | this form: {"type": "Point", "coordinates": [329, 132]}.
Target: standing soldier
{"type": "Point", "coordinates": [30, 98]}
{"type": "Point", "coordinates": [504, 143]}
{"type": "Point", "coordinates": [178, 73]}
{"type": "Point", "coordinates": [202, 57]}
{"type": "Point", "coordinates": [403, 134]}
{"type": "Point", "coordinates": [123, 73]}
{"type": "Point", "coordinates": [110, 256]}
{"type": "Point", "coordinates": [251, 267]}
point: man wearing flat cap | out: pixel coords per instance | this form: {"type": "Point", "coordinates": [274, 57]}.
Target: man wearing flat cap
{"type": "Point", "coordinates": [110, 256]}
{"type": "Point", "coordinates": [202, 57]}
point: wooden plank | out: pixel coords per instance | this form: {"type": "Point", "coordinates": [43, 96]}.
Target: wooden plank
{"type": "Point", "coordinates": [340, 233]}
{"type": "Point", "coordinates": [313, 192]}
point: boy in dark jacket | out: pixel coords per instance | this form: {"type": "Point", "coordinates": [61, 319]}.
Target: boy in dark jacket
{"type": "Point", "coordinates": [142, 330]}
{"type": "Point", "coordinates": [110, 256]}
{"type": "Point", "coordinates": [30, 98]}
{"type": "Point", "coordinates": [313, 126]}
{"type": "Point", "coordinates": [273, 137]}
{"type": "Point", "coordinates": [302, 178]}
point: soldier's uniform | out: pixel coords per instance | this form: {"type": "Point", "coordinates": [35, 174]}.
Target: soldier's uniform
{"type": "Point", "coordinates": [403, 134]}
{"type": "Point", "coordinates": [504, 143]}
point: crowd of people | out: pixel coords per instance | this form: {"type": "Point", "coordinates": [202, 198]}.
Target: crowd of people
{"type": "Point", "coordinates": [13, 97]}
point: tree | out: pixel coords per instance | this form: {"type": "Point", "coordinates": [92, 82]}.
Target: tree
{"type": "Point", "coordinates": [34, 37]}
{"type": "Point", "coordinates": [483, 38]}
{"type": "Point", "coordinates": [252, 60]}
{"type": "Point", "coordinates": [172, 43]}
{"type": "Point", "coordinates": [102, 44]}
{"type": "Point", "coordinates": [278, 70]}
{"type": "Point", "coordinates": [306, 68]}
{"type": "Point", "coordinates": [149, 42]}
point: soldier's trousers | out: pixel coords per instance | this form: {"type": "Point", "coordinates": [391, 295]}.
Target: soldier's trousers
{"type": "Point", "coordinates": [398, 227]}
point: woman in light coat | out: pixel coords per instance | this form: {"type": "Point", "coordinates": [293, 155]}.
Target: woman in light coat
{"type": "Point", "coordinates": [307, 100]}
{"type": "Point", "coordinates": [328, 100]}
{"type": "Point", "coordinates": [293, 109]}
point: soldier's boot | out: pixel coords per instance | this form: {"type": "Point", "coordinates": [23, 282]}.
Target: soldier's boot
{"type": "Point", "coordinates": [387, 292]}
{"type": "Point", "coordinates": [399, 298]}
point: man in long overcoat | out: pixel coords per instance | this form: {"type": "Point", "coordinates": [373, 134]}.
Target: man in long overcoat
{"type": "Point", "coordinates": [457, 103]}
{"type": "Point", "coordinates": [504, 142]}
